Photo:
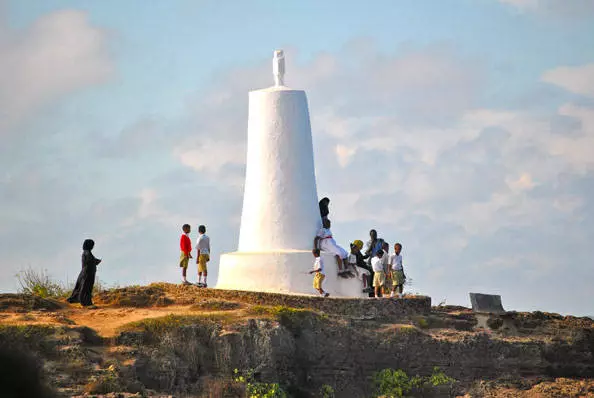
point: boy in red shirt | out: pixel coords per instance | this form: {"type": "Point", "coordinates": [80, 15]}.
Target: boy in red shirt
{"type": "Point", "coordinates": [185, 244]}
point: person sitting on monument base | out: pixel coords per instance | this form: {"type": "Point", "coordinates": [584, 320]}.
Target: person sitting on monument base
{"type": "Point", "coordinates": [324, 202]}
{"type": "Point", "coordinates": [326, 243]}
{"type": "Point", "coordinates": [361, 268]}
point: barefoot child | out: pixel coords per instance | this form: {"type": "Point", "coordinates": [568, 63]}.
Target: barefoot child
{"type": "Point", "coordinates": [325, 242]}
{"type": "Point", "coordinates": [398, 276]}
{"type": "Point", "coordinates": [379, 276]}
{"type": "Point", "coordinates": [362, 270]}
{"type": "Point", "coordinates": [185, 244]}
{"type": "Point", "coordinates": [388, 272]}
{"type": "Point", "coordinates": [318, 269]}
{"type": "Point", "coordinates": [203, 255]}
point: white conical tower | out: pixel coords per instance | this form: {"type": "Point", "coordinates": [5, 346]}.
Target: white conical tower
{"type": "Point", "coordinates": [280, 214]}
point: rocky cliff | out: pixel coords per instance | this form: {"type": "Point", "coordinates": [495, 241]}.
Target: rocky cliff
{"type": "Point", "coordinates": [183, 341]}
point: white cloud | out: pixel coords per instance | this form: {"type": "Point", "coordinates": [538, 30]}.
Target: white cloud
{"type": "Point", "coordinates": [575, 79]}
{"type": "Point", "coordinates": [59, 54]}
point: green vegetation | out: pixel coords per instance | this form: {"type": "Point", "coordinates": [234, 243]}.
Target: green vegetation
{"type": "Point", "coordinates": [215, 305]}
{"type": "Point", "coordinates": [38, 283]}
{"type": "Point", "coordinates": [327, 391]}
{"type": "Point", "coordinates": [255, 389]}
{"type": "Point", "coordinates": [163, 324]}
{"type": "Point", "coordinates": [390, 383]}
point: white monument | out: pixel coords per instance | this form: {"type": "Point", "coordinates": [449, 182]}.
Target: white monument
{"type": "Point", "coordinates": [280, 214]}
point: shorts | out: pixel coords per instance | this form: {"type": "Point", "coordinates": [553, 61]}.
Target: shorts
{"type": "Point", "coordinates": [318, 279]}
{"type": "Point", "coordinates": [202, 260]}
{"type": "Point", "coordinates": [398, 277]}
{"type": "Point", "coordinates": [379, 279]}
{"type": "Point", "coordinates": [184, 260]}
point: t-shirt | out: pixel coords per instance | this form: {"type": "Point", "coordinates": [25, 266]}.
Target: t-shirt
{"type": "Point", "coordinates": [319, 264]}
{"type": "Point", "coordinates": [386, 260]}
{"type": "Point", "coordinates": [377, 264]}
{"type": "Point", "coordinates": [203, 244]}
{"type": "Point", "coordinates": [396, 262]}
{"type": "Point", "coordinates": [185, 244]}
{"type": "Point", "coordinates": [324, 233]}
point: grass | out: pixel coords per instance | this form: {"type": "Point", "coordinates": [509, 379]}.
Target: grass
{"type": "Point", "coordinates": [38, 283]}
{"type": "Point", "coordinates": [164, 324]}
{"type": "Point", "coordinates": [215, 305]}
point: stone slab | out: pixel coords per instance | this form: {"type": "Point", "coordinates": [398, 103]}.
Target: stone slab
{"type": "Point", "coordinates": [486, 303]}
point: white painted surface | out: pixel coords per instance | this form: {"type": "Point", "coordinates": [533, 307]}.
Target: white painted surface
{"type": "Point", "coordinates": [280, 204]}
{"type": "Point", "coordinates": [280, 215]}
{"type": "Point", "coordinates": [278, 68]}
{"type": "Point", "coordinates": [282, 272]}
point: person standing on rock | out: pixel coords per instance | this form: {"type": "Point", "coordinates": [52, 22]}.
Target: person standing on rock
{"type": "Point", "coordinates": [203, 255]}
{"type": "Point", "coordinates": [185, 245]}
{"type": "Point", "coordinates": [318, 269]}
{"type": "Point", "coordinates": [398, 277]}
{"type": "Point", "coordinates": [83, 290]}
{"type": "Point", "coordinates": [379, 276]}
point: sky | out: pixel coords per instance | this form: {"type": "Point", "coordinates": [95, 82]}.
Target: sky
{"type": "Point", "coordinates": [462, 129]}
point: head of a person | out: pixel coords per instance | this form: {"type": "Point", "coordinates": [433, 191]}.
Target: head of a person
{"type": "Point", "coordinates": [380, 253]}
{"type": "Point", "coordinates": [373, 234]}
{"type": "Point", "coordinates": [386, 247]}
{"type": "Point", "coordinates": [316, 252]}
{"type": "Point", "coordinates": [88, 244]}
{"type": "Point", "coordinates": [326, 223]}
{"type": "Point", "coordinates": [397, 248]}
{"type": "Point", "coordinates": [325, 201]}
{"type": "Point", "coordinates": [202, 229]}
{"type": "Point", "coordinates": [356, 246]}
{"type": "Point", "coordinates": [186, 228]}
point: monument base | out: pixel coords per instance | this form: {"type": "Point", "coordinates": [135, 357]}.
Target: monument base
{"type": "Point", "coordinates": [282, 272]}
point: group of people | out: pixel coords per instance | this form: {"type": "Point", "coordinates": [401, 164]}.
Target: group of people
{"type": "Point", "coordinates": [379, 271]}
{"type": "Point", "coordinates": [202, 254]}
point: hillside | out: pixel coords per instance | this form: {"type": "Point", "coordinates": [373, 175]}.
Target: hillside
{"type": "Point", "coordinates": [172, 340]}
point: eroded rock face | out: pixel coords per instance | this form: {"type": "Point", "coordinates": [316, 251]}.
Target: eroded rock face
{"type": "Point", "coordinates": [198, 349]}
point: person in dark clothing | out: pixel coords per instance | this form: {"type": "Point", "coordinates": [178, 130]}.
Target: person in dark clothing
{"type": "Point", "coordinates": [83, 290]}
{"type": "Point", "coordinates": [324, 208]}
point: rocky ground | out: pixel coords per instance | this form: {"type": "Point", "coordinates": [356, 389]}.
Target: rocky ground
{"type": "Point", "coordinates": [171, 340]}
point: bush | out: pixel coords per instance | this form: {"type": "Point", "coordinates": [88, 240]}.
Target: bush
{"type": "Point", "coordinates": [38, 283]}
{"type": "Point", "coordinates": [390, 383]}
{"type": "Point", "coordinates": [327, 391]}
{"type": "Point", "coordinates": [256, 389]}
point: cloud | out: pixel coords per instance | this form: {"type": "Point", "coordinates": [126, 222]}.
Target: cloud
{"type": "Point", "coordinates": [575, 79]}
{"type": "Point", "coordinates": [59, 54]}
{"type": "Point", "coordinates": [575, 9]}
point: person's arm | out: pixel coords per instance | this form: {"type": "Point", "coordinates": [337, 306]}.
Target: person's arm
{"type": "Point", "coordinates": [315, 243]}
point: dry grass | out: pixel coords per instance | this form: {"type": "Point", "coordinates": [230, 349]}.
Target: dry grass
{"type": "Point", "coordinates": [216, 305]}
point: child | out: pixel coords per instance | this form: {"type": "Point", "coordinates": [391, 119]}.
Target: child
{"type": "Point", "coordinates": [361, 268]}
{"type": "Point", "coordinates": [398, 277]}
{"type": "Point", "coordinates": [185, 244]}
{"type": "Point", "coordinates": [318, 268]}
{"type": "Point", "coordinates": [324, 208]}
{"type": "Point", "coordinates": [202, 255]}
{"type": "Point", "coordinates": [326, 243]}
{"type": "Point", "coordinates": [387, 270]}
{"type": "Point", "coordinates": [379, 276]}
{"type": "Point", "coordinates": [83, 290]}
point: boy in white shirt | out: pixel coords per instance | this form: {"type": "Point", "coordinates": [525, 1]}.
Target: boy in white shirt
{"type": "Point", "coordinates": [379, 276]}
{"type": "Point", "coordinates": [398, 277]}
{"type": "Point", "coordinates": [318, 269]}
{"type": "Point", "coordinates": [325, 242]}
{"type": "Point", "coordinates": [203, 255]}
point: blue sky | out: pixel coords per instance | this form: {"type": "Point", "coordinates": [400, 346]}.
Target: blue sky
{"type": "Point", "coordinates": [474, 119]}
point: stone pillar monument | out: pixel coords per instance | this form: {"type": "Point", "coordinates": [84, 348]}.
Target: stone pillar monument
{"type": "Point", "coordinates": [280, 214]}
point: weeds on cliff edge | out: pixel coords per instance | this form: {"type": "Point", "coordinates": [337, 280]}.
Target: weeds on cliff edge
{"type": "Point", "coordinates": [39, 283]}
{"type": "Point", "coordinates": [256, 389]}
{"type": "Point", "coordinates": [327, 391]}
{"type": "Point", "coordinates": [390, 383]}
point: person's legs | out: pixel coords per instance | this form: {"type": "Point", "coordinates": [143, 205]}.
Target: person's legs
{"type": "Point", "coordinates": [183, 263]}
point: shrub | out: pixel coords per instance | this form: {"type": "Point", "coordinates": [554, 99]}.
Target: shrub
{"type": "Point", "coordinates": [390, 383]}
{"type": "Point", "coordinates": [327, 391]}
{"type": "Point", "coordinates": [38, 283]}
{"type": "Point", "coordinates": [256, 389]}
